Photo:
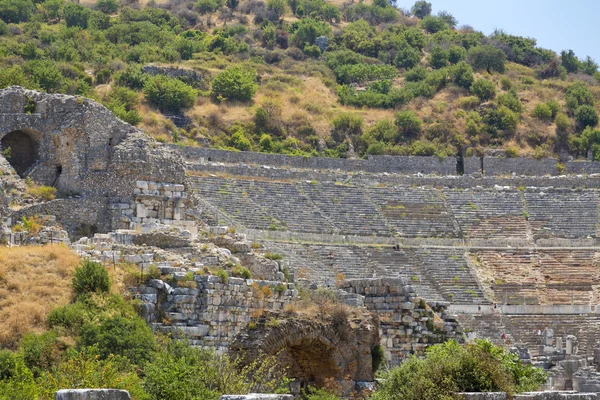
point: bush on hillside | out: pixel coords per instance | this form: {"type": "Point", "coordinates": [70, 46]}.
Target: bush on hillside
{"type": "Point", "coordinates": [408, 124]}
{"type": "Point", "coordinates": [434, 24]}
{"type": "Point", "coordinates": [407, 57]}
{"type": "Point", "coordinates": [578, 95]}
{"type": "Point", "coordinates": [15, 11]}
{"type": "Point", "coordinates": [449, 368]}
{"type": "Point", "coordinates": [235, 83]}
{"type": "Point", "coordinates": [487, 58]}
{"type": "Point", "coordinates": [484, 89]}
{"type": "Point", "coordinates": [438, 58]}
{"type": "Point", "coordinates": [168, 93]}
{"type": "Point", "coordinates": [90, 277]}
{"type": "Point", "coordinates": [542, 111]}
{"type": "Point", "coordinates": [462, 75]}
{"type": "Point", "coordinates": [421, 9]}
{"type": "Point", "coordinates": [586, 116]}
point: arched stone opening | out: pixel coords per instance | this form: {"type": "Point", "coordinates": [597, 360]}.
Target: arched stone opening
{"type": "Point", "coordinates": [21, 150]}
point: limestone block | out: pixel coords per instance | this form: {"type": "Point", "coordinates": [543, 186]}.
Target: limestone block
{"type": "Point", "coordinates": [92, 394]}
{"type": "Point", "coordinates": [483, 396]}
{"type": "Point", "coordinates": [143, 185]}
{"type": "Point", "coordinates": [257, 396]}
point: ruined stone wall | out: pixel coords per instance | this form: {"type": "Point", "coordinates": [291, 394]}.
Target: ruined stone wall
{"type": "Point", "coordinates": [404, 165]}
{"type": "Point", "coordinates": [82, 149]}
{"type": "Point", "coordinates": [408, 324]}
{"type": "Point", "coordinates": [494, 166]}
{"type": "Point", "coordinates": [210, 312]}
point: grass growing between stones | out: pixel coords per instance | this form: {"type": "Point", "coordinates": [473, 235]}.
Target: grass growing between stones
{"type": "Point", "coordinates": [33, 281]}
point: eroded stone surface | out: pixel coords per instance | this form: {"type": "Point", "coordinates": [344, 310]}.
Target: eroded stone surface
{"type": "Point", "coordinates": [92, 394]}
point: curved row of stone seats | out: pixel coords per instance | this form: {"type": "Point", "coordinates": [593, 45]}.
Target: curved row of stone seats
{"type": "Point", "coordinates": [488, 214]}
{"type": "Point", "coordinates": [449, 270]}
{"type": "Point", "coordinates": [548, 276]}
{"type": "Point", "coordinates": [562, 213]}
{"type": "Point", "coordinates": [414, 212]}
{"type": "Point", "coordinates": [476, 214]}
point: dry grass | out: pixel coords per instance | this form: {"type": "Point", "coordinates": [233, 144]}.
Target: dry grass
{"type": "Point", "coordinates": [33, 281]}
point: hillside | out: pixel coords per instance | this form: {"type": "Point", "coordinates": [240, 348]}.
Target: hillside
{"type": "Point", "coordinates": [306, 77]}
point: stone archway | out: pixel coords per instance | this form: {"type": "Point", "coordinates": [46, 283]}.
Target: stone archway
{"type": "Point", "coordinates": [23, 153]}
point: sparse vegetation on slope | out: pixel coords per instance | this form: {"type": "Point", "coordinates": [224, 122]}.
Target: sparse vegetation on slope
{"type": "Point", "coordinates": [274, 76]}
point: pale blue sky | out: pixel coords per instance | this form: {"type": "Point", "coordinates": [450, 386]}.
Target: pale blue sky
{"type": "Point", "coordinates": [556, 24]}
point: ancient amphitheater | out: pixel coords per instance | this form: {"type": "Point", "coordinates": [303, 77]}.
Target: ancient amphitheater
{"type": "Point", "coordinates": [501, 248]}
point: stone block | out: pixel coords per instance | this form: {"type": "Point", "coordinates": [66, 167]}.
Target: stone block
{"type": "Point", "coordinates": [257, 396]}
{"type": "Point", "coordinates": [92, 394]}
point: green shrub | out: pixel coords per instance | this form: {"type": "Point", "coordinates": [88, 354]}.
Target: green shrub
{"type": "Point", "coordinates": [408, 124]}
{"type": "Point", "coordinates": [438, 58]}
{"type": "Point", "coordinates": [421, 9]}
{"type": "Point", "coordinates": [70, 317]}
{"type": "Point", "coordinates": [40, 351]}
{"type": "Point", "coordinates": [462, 75]}
{"type": "Point", "coordinates": [320, 394]}
{"type": "Point", "coordinates": [8, 363]}
{"type": "Point", "coordinates": [487, 58]}
{"type": "Point", "coordinates": [578, 95]}
{"type": "Point", "coordinates": [434, 24]}
{"type": "Point", "coordinates": [511, 101]}
{"type": "Point", "coordinates": [76, 15]}
{"type": "Point", "coordinates": [307, 30]}
{"type": "Point", "coordinates": [45, 74]}
{"type": "Point", "coordinates": [377, 356]}
{"type": "Point", "coordinates": [107, 6]}
{"type": "Point", "coordinates": [346, 125]}
{"type": "Point", "coordinates": [16, 11]}
{"type": "Point", "coordinates": [449, 368]}
{"type": "Point", "coordinates": [312, 50]}
{"type": "Point", "coordinates": [168, 93]}
{"type": "Point", "coordinates": [235, 83]}
{"type": "Point", "coordinates": [239, 140]}
{"type": "Point", "coordinates": [554, 107]}
{"type": "Point", "coordinates": [569, 60]}
{"type": "Point", "coordinates": [562, 122]}
{"type": "Point", "coordinates": [407, 57]}
{"type": "Point", "coordinates": [223, 275]}
{"type": "Point", "coordinates": [456, 54]}
{"type": "Point", "coordinates": [208, 6]}
{"type": "Point", "coordinates": [586, 116]}
{"type": "Point", "coordinates": [129, 337]}
{"type": "Point", "coordinates": [484, 89]}
{"type": "Point", "coordinates": [275, 9]}
{"type": "Point", "coordinates": [90, 277]}
{"type": "Point", "coordinates": [542, 111]}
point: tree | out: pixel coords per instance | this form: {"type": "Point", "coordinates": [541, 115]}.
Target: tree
{"type": "Point", "coordinates": [589, 66]}
{"type": "Point", "coordinates": [16, 11]}
{"type": "Point", "coordinates": [407, 57]}
{"type": "Point", "coordinates": [569, 61]}
{"type": "Point", "coordinates": [275, 9]}
{"type": "Point", "coordinates": [586, 116]}
{"type": "Point", "coordinates": [408, 124]}
{"type": "Point", "coordinates": [578, 95]}
{"type": "Point", "coordinates": [421, 9]}
{"type": "Point", "coordinates": [438, 57]}
{"type": "Point", "coordinates": [232, 4]}
{"type": "Point", "coordinates": [449, 18]}
{"type": "Point", "coordinates": [487, 58]}
{"type": "Point", "coordinates": [434, 24]}
{"type": "Point", "coordinates": [107, 6]}
{"type": "Point", "coordinates": [345, 126]}
{"type": "Point", "coordinates": [307, 30]}
{"type": "Point", "coordinates": [484, 89]}
{"type": "Point", "coordinates": [90, 277]}
{"type": "Point", "coordinates": [208, 6]}
{"type": "Point", "coordinates": [456, 54]}
{"type": "Point", "coordinates": [235, 83]}
{"type": "Point", "coordinates": [168, 93]}
{"type": "Point", "coordinates": [449, 368]}
{"type": "Point", "coordinates": [76, 15]}
{"type": "Point", "coordinates": [45, 74]}
{"type": "Point", "coordinates": [462, 75]}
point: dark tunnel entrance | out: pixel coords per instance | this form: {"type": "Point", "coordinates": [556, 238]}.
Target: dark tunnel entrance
{"type": "Point", "coordinates": [21, 151]}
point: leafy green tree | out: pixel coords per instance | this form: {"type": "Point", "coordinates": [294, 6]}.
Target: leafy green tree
{"type": "Point", "coordinates": [107, 6]}
{"type": "Point", "coordinates": [569, 60]}
{"type": "Point", "coordinates": [511, 101]}
{"type": "Point", "coordinates": [484, 89]}
{"type": "Point", "coordinates": [456, 54]}
{"type": "Point", "coordinates": [235, 83]}
{"type": "Point", "coordinates": [449, 368]}
{"type": "Point", "coordinates": [449, 18]}
{"type": "Point", "coordinates": [275, 9]}
{"type": "Point", "coordinates": [407, 57]}
{"type": "Point", "coordinates": [90, 277]}
{"type": "Point", "coordinates": [434, 24]}
{"type": "Point", "coordinates": [421, 9]}
{"type": "Point", "coordinates": [307, 30]}
{"type": "Point", "coordinates": [168, 93]}
{"type": "Point", "coordinates": [239, 140]}
{"type": "Point", "coordinates": [76, 15]}
{"type": "Point", "coordinates": [408, 124]}
{"type": "Point", "coordinates": [590, 140]}
{"type": "Point", "coordinates": [586, 116]}
{"type": "Point", "coordinates": [45, 74]}
{"type": "Point", "coordinates": [15, 76]}
{"type": "Point", "coordinates": [416, 74]}
{"type": "Point", "coordinates": [578, 95]}
{"type": "Point", "coordinates": [542, 111]}
{"type": "Point", "coordinates": [438, 58]}
{"type": "Point", "coordinates": [16, 11]}
{"type": "Point", "coordinates": [129, 337]}
{"type": "Point", "coordinates": [345, 126]}
{"type": "Point", "coordinates": [462, 75]}
{"type": "Point", "coordinates": [589, 66]}
{"type": "Point", "coordinates": [208, 6]}
{"type": "Point", "coordinates": [487, 58]}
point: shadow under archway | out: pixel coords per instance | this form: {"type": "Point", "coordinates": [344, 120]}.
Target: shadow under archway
{"type": "Point", "coordinates": [21, 150]}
